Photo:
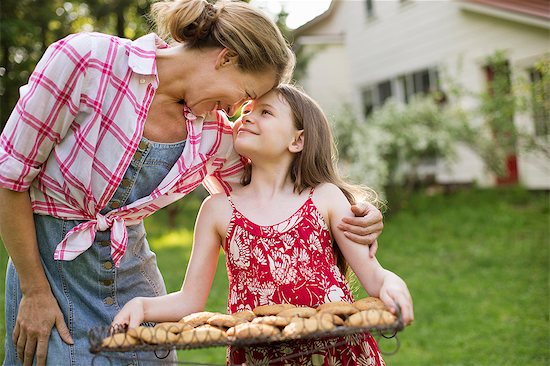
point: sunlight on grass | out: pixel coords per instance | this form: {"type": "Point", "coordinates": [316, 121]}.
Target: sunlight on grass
{"type": "Point", "coordinates": [179, 238]}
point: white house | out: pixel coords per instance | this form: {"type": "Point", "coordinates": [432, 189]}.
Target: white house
{"type": "Point", "coordinates": [367, 51]}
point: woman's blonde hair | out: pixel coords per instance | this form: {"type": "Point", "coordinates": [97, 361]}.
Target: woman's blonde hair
{"type": "Point", "coordinates": [317, 162]}
{"type": "Point", "coordinates": [234, 25]}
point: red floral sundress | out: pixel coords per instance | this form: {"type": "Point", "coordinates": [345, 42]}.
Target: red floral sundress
{"type": "Point", "coordinates": [290, 262]}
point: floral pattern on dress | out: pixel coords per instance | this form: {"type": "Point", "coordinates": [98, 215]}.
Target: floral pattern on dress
{"type": "Point", "coordinates": [290, 262]}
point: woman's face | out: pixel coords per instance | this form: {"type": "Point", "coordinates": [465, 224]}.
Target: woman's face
{"type": "Point", "coordinates": [226, 87]}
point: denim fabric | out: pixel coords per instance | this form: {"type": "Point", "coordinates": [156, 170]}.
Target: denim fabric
{"type": "Point", "coordinates": [89, 289]}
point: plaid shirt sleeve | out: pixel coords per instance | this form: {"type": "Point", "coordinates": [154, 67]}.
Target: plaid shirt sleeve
{"type": "Point", "coordinates": [45, 111]}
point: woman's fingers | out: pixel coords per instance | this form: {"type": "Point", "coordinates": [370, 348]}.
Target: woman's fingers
{"type": "Point", "coordinates": [30, 348]}
{"type": "Point", "coordinates": [20, 343]}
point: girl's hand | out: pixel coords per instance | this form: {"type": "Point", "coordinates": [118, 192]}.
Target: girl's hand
{"type": "Point", "coordinates": [394, 291]}
{"type": "Point", "coordinates": [365, 227]}
{"type": "Point", "coordinates": [132, 314]}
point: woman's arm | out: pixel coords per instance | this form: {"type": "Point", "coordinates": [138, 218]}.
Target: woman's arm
{"type": "Point", "coordinates": [198, 279]}
{"type": "Point", "coordinates": [376, 280]}
{"type": "Point", "coordinates": [362, 225]}
{"type": "Point", "coordinates": [38, 310]}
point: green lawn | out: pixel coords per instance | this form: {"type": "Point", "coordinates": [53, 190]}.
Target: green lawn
{"type": "Point", "coordinates": [476, 262]}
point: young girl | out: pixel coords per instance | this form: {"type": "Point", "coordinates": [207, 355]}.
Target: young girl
{"type": "Point", "coordinates": [277, 231]}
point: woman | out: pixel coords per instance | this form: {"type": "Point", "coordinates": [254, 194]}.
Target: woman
{"type": "Point", "coordinates": [107, 132]}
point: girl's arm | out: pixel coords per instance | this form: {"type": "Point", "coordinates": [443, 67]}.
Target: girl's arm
{"type": "Point", "coordinates": [376, 280]}
{"type": "Point", "coordinates": [198, 279]}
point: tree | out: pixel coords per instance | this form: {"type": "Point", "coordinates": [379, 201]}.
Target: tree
{"type": "Point", "coordinates": [25, 35]}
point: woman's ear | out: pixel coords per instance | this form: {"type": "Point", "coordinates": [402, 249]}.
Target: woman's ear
{"type": "Point", "coordinates": [226, 57]}
{"type": "Point", "coordinates": [297, 143]}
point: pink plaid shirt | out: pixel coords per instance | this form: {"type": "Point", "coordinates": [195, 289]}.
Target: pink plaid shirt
{"type": "Point", "coordinates": [76, 126]}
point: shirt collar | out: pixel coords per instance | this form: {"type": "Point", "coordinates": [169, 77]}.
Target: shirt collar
{"type": "Point", "coordinates": [142, 59]}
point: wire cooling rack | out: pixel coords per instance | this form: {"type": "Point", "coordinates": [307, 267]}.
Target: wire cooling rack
{"type": "Point", "coordinates": [160, 344]}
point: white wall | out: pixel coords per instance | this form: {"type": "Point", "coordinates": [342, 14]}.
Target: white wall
{"type": "Point", "coordinates": [330, 83]}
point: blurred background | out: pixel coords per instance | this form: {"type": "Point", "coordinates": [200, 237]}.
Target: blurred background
{"type": "Point", "coordinates": [442, 106]}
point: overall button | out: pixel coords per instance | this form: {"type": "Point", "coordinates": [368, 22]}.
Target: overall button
{"type": "Point", "coordinates": [108, 301]}
{"type": "Point", "coordinates": [126, 182]}
{"type": "Point", "coordinates": [107, 282]}
{"type": "Point", "coordinates": [107, 265]}
{"type": "Point", "coordinates": [137, 155]}
{"type": "Point", "coordinates": [143, 145]}
{"type": "Point", "coordinates": [115, 204]}
{"type": "Point", "coordinates": [105, 243]}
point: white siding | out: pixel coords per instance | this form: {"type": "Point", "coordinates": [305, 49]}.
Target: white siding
{"type": "Point", "coordinates": [331, 89]}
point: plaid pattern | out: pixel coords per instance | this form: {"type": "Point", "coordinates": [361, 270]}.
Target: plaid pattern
{"type": "Point", "coordinates": [78, 123]}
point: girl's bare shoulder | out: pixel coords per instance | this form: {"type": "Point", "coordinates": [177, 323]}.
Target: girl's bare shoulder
{"type": "Point", "coordinates": [327, 192]}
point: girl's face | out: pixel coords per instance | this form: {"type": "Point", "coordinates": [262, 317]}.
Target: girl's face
{"type": "Point", "coordinates": [266, 128]}
{"type": "Point", "coordinates": [226, 87]}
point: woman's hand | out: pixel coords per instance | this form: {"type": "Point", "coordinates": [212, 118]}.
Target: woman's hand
{"type": "Point", "coordinates": [365, 227]}
{"type": "Point", "coordinates": [132, 314]}
{"type": "Point", "coordinates": [394, 291]}
{"type": "Point", "coordinates": [38, 313]}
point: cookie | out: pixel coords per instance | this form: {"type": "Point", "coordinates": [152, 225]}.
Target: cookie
{"type": "Point", "coordinates": [209, 334]}
{"type": "Point", "coordinates": [152, 335]}
{"type": "Point", "coordinates": [299, 312]}
{"type": "Point", "coordinates": [223, 320]}
{"type": "Point", "coordinates": [337, 308]}
{"type": "Point", "coordinates": [371, 318]}
{"type": "Point", "coordinates": [230, 332]}
{"type": "Point", "coordinates": [369, 303]}
{"type": "Point", "coordinates": [275, 309]}
{"type": "Point", "coordinates": [276, 321]}
{"type": "Point", "coordinates": [119, 340]}
{"type": "Point", "coordinates": [335, 319]}
{"type": "Point", "coordinates": [247, 315]}
{"type": "Point", "coordinates": [255, 330]}
{"type": "Point", "coordinates": [173, 327]}
{"type": "Point", "coordinates": [307, 326]}
{"type": "Point", "coordinates": [197, 319]}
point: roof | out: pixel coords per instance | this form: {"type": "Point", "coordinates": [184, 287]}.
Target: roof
{"type": "Point", "coordinates": [305, 27]}
{"type": "Point", "coordinates": [531, 12]}
{"type": "Point", "coordinates": [534, 8]}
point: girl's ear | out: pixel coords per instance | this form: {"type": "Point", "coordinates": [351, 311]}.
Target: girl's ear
{"type": "Point", "coordinates": [297, 143]}
{"type": "Point", "coordinates": [226, 57]}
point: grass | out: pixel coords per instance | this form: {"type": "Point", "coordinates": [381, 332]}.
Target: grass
{"type": "Point", "coordinates": [476, 262]}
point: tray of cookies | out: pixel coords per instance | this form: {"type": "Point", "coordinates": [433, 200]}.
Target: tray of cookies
{"type": "Point", "coordinates": [265, 324]}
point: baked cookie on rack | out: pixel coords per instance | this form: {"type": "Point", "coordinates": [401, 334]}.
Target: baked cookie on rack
{"type": "Point", "coordinates": [274, 309]}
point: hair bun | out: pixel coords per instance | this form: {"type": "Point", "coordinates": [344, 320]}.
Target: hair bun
{"type": "Point", "coordinates": [201, 27]}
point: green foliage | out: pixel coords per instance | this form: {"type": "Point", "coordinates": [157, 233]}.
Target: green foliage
{"type": "Point", "coordinates": [27, 27]}
{"type": "Point", "coordinates": [388, 148]}
{"type": "Point", "coordinates": [509, 95]}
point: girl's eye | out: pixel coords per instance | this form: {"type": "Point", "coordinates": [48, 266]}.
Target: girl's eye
{"type": "Point", "coordinates": [265, 111]}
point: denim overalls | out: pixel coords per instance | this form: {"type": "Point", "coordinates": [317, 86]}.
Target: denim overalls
{"type": "Point", "coordinates": [89, 289]}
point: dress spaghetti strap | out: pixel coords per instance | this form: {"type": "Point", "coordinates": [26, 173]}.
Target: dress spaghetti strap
{"type": "Point", "coordinates": [311, 192]}
{"type": "Point", "coordinates": [231, 201]}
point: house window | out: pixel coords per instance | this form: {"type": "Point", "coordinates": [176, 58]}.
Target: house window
{"type": "Point", "coordinates": [368, 102]}
{"type": "Point", "coordinates": [421, 82]}
{"type": "Point", "coordinates": [369, 4]}
{"type": "Point", "coordinates": [540, 96]}
{"type": "Point", "coordinates": [384, 92]}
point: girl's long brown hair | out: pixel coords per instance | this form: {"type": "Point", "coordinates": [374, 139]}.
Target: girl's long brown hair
{"type": "Point", "coordinates": [316, 163]}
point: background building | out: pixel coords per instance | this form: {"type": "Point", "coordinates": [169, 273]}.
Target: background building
{"type": "Point", "coordinates": [368, 51]}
